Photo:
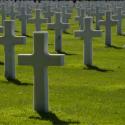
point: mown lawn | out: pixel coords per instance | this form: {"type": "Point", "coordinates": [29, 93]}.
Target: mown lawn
{"type": "Point", "coordinates": [77, 95]}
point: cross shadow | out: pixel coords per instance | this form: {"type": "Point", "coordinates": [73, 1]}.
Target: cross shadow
{"type": "Point", "coordinates": [122, 34]}
{"type": "Point", "coordinates": [53, 118]}
{"type": "Point", "coordinates": [50, 29]}
{"type": "Point", "coordinates": [62, 52]}
{"type": "Point", "coordinates": [19, 83]}
{"type": "Point", "coordinates": [115, 47]}
{"type": "Point", "coordinates": [50, 44]}
{"type": "Point", "coordinates": [27, 35]}
{"type": "Point", "coordinates": [65, 32]}
{"type": "Point", "coordinates": [1, 63]}
{"type": "Point", "coordinates": [92, 67]}
{"type": "Point", "coordinates": [16, 31]}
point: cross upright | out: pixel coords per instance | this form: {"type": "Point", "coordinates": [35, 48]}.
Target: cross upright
{"type": "Point", "coordinates": [65, 15]}
{"type": "Point", "coordinates": [23, 17]}
{"type": "Point", "coordinates": [108, 23]}
{"type": "Point", "coordinates": [48, 14]}
{"type": "Point", "coordinates": [29, 8]}
{"type": "Point", "coordinates": [98, 15]}
{"type": "Point", "coordinates": [38, 21]}
{"type": "Point", "coordinates": [119, 16]}
{"type": "Point", "coordinates": [12, 12]}
{"type": "Point", "coordinates": [59, 27]}
{"type": "Point", "coordinates": [9, 40]}
{"type": "Point", "coordinates": [3, 13]}
{"type": "Point", "coordinates": [81, 18]}
{"type": "Point", "coordinates": [40, 60]}
{"type": "Point", "coordinates": [87, 34]}
{"type": "Point", "coordinates": [78, 11]}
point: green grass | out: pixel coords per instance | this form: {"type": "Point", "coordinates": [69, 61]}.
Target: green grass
{"type": "Point", "coordinates": [76, 95]}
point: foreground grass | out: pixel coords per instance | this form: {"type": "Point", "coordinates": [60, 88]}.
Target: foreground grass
{"type": "Point", "coordinates": [77, 95]}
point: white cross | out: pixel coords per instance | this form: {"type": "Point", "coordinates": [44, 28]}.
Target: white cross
{"type": "Point", "coordinates": [87, 34]}
{"type": "Point", "coordinates": [80, 18]}
{"type": "Point", "coordinates": [9, 40]}
{"type": "Point", "coordinates": [108, 23]}
{"type": "Point", "coordinates": [48, 14]}
{"type": "Point", "coordinates": [23, 18]}
{"type": "Point", "coordinates": [12, 12]}
{"type": "Point", "coordinates": [3, 13]}
{"type": "Point", "coordinates": [59, 27]}
{"type": "Point", "coordinates": [38, 21]}
{"type": "Point", "coordinates": [40, 60]}
{"type": "Point", "coordinates": [119, 17]}
{"type": "Point", "coordinates": [98, 15]}
{"type": "Point", "coordinates": [65, 16]}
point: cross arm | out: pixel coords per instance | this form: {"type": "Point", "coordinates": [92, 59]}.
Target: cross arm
{"type": "Point", "coordinates": [114, 22]}
{"type": "Point", "coordinates": [28, 16]}
{"type": "Point", "coordinates": [101, 14]}
{"type": "Point", "coordinates": [20, 40]}
{"type": "Point", "coordinates": [31, 20]}
{"type": "Point", "coordinates": [48, 15]}
{"type": "Point", "coordinates": [2, 40]}
{"type": "Point", "coordinates": [114, 17]}
{"type": "Point", "coordinates": [101, 22]}
{"type": "Point", "coordinates": [96, 33]}
{"type": "Point", "coordinates": [79, 33]}
{"type": "Point", "coordinates": [123, 15]}
{"type": "Point", "coordinates": [65, 25]}
{"type": "Point", "coordinates": [77, 18]}
{"type": "Point", "coordinates": [25, 59]}
{"type": "Point", "coordinates": [67, 15]}
{"type": "Point", "coordinates": [1, 29]}
{"type": "Point", "coordinates": [18, 16]}
{"type": "Point", "coordinates": [51, 26]}
{"type": "Point", "coordinates": [45, 20]}
{"type": "Point", "coordinates": [55, 59]}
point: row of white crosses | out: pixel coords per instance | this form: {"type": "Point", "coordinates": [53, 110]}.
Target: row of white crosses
{"type": "Point", "coordinates": [24, 17]}
{"type": "Point", "coordinates": [59, 27]}
{"type": "Point", "coordinates": [98, 17]}
{"type": "Point", "coordinates": [3, 13]}
{"type": "Point", "coordinates": [48, 14]}
{"type": "Point", "coordinates": [119, 15]}
{"type": "Point", "coordinates": [80, 18]}
{"type": "Point", "coordinates": [65, 15]}
{"type": "Point", "coordinates": [40, 60]}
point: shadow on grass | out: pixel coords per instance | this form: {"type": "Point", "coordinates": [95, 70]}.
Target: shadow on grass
{"type": "Point", "coordinates": [122, 34]}
{"type": "Point", "coordinates": [53, 118]}
{"type": "Point", "coordinates": [27, 36]}
{"type": "Point", "coordinates": [51, 29]}
{"type": "Point", "coordinates": [115, 47]}
{"type": "Point", "coordinates": [89, 67]}
{"type": "Point", "coordinates": [65, 32]}
{"type": "Point", "coordinates": [16, 31]}
{"type": "Point", "coordinates": [50, 44]}
{"type": "Point", "coordinates": [17, 82]}
{"type": "Point", "coordinates": [62, 52]}
{"type": "Point", "coordinates": [1, 63]}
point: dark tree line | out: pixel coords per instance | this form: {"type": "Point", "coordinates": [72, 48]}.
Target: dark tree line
{"type": "Point", "coordinates": [68, 0]}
